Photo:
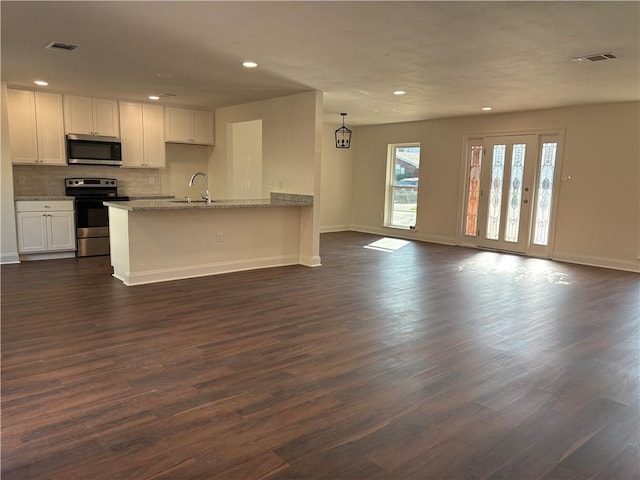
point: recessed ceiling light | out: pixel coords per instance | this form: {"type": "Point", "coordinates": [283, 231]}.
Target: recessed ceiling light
{"type": "Point", "coordinates": [487, 109]}
{"type": "Point", "coordinates": [249, 64]}
{"type": "Point", "coordinates": [154, 97]}
{"type": "Point", "coordinates": [399, 92]}
{"type": "Point", "coordinates": [42, 83]}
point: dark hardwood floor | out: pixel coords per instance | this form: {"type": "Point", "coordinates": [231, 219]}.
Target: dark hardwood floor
{"type": "Point", "coordinates": [428, 362]}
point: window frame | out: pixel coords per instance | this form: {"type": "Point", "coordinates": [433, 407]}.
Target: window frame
{"type": "Point", "coordinates": [390, 186]}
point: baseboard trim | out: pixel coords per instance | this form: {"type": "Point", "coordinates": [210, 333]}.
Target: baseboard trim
{"type": "Point", "coordinates": [404, 234]}
{"type": "Point", "coordinates": [311, 261]}
{"type": "Point", "coordinates": [593, 261]}
{"type": "Point", "coordinates": [603, 262]}
{"type": "Point", "coordinates": [28, 257]}
{"type": "Point", "coordinates": [7, 258]}
{"type": "Point", "coordinates": [335, 228]}
{"type": "Point", "coordinates": [192, 271]}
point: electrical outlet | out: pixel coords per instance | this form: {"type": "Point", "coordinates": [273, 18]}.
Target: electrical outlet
{"type": "Point", "coordinates": [220, 237]}
{"type": "Point", "coordinates": [152, 180]}
{"type": "Point", "coordinates": [22, 179]}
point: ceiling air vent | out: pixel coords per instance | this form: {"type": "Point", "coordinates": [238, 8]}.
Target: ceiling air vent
{"type": "Point", "coordinates": [60, 46]}
{"type": "Point", "coordinates": [596, 57]}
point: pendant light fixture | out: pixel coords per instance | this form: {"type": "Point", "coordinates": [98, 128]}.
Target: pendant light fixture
{"type": "Point", "coordinates": [343, 135]}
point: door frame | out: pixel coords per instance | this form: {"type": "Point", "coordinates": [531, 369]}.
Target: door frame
{"type": "Point", "coordinates": [525, 210]}
{"type": "Point", "coordinates": [542, 136]}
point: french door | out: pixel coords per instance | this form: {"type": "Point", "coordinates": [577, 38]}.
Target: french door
{"type": "Point", "coordinates": [506, 193]}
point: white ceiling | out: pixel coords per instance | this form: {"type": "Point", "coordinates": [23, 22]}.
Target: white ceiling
{"type": "Point", "coordinates": [452, 58]}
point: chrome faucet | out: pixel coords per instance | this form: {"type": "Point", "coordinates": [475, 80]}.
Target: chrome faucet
{"type": "Point", "coordinates": [205, 195]}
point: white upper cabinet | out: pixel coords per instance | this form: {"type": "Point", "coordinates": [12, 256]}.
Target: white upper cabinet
{"type": "Point", "coordinates": [23, 138]}
{"type": "Point", "coordinates": [105, 117]}
{"type": "Point", "coordinates": [188, 126]}
{"type": "Point", "coordinates": [202, 127]}
{"type": "Point", "coordinates": [50, 128]}
{"type": "Point", "coordinates": [153, 135]}
{"type": "Point", "coordinates": [91, 116]}
{"type": "Point", "coordinates": [177, 125]}
{"type": "Point", "coordinates": [131, 134]}
{"type": "Point", "coordinates": [36, 132]}
{"type": "Point", "coordinates": [142, 135]}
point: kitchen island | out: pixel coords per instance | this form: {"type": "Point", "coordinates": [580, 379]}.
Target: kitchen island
{"type": "Point", "coordinates": [161, 240]}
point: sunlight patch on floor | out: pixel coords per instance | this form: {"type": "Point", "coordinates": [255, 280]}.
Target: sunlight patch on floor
{"type": "Point", "coordinates": [488, 264]}
{"type": "Point", "coordinates": [386, 244]}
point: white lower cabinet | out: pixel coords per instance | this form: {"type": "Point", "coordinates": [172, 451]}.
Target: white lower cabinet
{"type": "Point", "coordinates": [45, 226]}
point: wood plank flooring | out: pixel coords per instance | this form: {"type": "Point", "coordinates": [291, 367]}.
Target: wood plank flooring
{"type": "Point", "coordinates": [427, 362]}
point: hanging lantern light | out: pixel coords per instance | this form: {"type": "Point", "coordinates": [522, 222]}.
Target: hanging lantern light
{"type": "Point", "coordinates": [343, 135]}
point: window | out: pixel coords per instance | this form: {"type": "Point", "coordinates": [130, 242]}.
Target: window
{"type": "Point", "coordinates": [402, 185]}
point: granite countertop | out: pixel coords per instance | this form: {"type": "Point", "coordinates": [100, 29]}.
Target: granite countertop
{"type": "Point", "coordinates": [148, 197]}
{"type": "Point", "coordinates": [67, 197]}
{"type": "Point", "coordinates": [42, 197]}
{"type": "Point", "coordinates": [275, 200]}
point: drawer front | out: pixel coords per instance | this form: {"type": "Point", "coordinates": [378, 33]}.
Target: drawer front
{"type": "Point", "coordinates": [44, 205]}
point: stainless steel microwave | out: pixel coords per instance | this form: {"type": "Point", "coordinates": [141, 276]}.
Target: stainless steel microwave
{"type": "Point", "coordinates": [93, 150]}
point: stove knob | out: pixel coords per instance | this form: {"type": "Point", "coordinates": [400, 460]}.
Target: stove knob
{"type": "Point", "coordinates": [76, 182]}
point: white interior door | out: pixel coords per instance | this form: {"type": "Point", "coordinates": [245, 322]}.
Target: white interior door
{"type": "Point", "coordinates": [504, 217]}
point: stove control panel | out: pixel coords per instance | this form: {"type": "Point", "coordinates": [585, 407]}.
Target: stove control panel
{"type": "Point", "coordinates": [91, 182]}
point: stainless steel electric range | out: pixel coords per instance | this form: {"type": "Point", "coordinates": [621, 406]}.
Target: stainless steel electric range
{"type": "Point", "coordinates": [92, 217]}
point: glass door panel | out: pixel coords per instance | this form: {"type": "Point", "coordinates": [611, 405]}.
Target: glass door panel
{"type": "Point", "coordinates": [512, 226]}
{"type": "Point", "coordinates": [505, 193]}
{"type": "Point", "coordinates": [494, 208]}
{"type": "Point", "coordinates": [542, 219]}
{"type": "Point", "coordinates": [473, 191]}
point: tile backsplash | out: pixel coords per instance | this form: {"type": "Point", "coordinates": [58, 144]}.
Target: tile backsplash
{"type": "Point", "coordinates": [45, 180]}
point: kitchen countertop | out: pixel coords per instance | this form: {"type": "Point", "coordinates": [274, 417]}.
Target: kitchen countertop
{"type": "Point", "coordinates": [67, 197]}
{"type": "Point", "coordinates": [159, 240]}
{"type": "Point", "coordinates": [275, 200]}
{"type": "Point", "coordinates": [42, 197]}
{"type": "Point", "coordinates": [148, 197]}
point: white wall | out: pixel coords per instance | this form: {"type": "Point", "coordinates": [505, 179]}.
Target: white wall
{"type": "Point", "coordinates": [335, 211]}
{"type": "Point", "coordinates": [598, 218]}
{"type": "Point", "coordinates": [8, 239]}
{"type": "Point", "coordinates": [245, 164]}
{"type": "Point", "coordinates": [291, 155]}
{"type": "Point", "coordinates": [288, 142]}
{"type": "Point", "coordinates": [182, 162]}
